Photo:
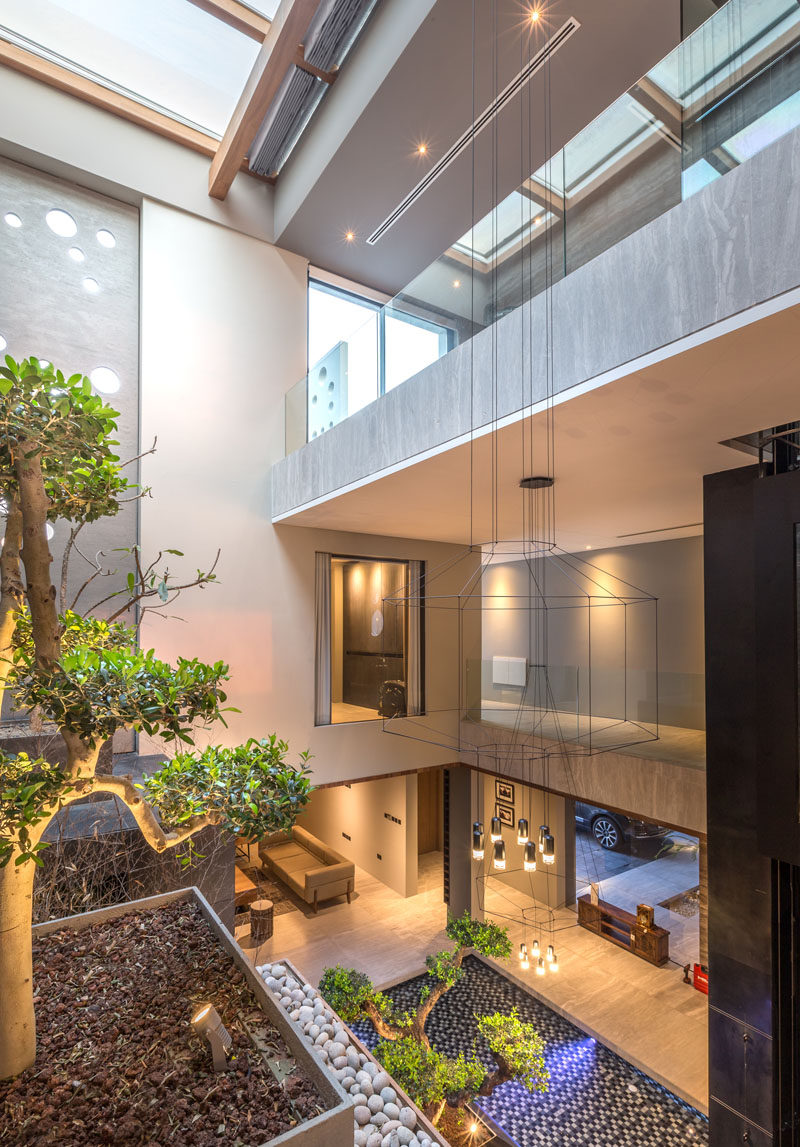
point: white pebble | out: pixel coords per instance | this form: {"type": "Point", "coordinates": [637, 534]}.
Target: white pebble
{"type": "Point", "coordinates": [360, 1137]}
{"type": "Point", "coordinates": [405, 1136]}
{"type": "Point", "coordinates": [306, 1015]}
{"type": "Point", "coordinates": [298, 996]}
{"type": "Point", "coordinates": [337, 1048]}
{"type": "Point", "coordinates": [380, 1079]}
{"type": "Point", "coordinates": [375, 1139]}
{"type": "Point", "coordinates": [359, 1098]}
{"type": "Point", "coordinates": [322, 1038]}
{"type": "Point", "coordinates": [352, 1058]}
{"type": "Point", "coordinates": [372, 1070]}
{"type": "Point", "coordinates": [361, 1115]}
{"type": "Point", "coordinates": [339, 1062]}
{"type": "Point", "coordinates": [392, 1110]}
{"type": "Point", "coordinates": [408, 1118]}
{"type": "Point", "coordinates": [388, 1095]}
{"type": "Point", "coordinates": [379, 1119]}
{"type": "Point", "coordinates": [313, 1031]}
{"type": "Point", "coordinates": [390, 1140]}
{"type": "Point", "coordinates": [375, 1104]}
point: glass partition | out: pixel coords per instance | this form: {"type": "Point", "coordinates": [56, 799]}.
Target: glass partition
{"type": "Point", "coordinates": [729, 90]}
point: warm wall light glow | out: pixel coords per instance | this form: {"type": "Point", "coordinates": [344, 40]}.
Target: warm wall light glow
{"type": "Point", "coordinates": [456, 283]}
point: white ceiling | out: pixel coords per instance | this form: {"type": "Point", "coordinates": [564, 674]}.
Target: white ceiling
{"type": "Point", "coordinates": [629, 456]}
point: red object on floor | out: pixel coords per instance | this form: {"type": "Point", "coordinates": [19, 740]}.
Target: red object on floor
{"type": "Point", "coordinates": [700, 978]}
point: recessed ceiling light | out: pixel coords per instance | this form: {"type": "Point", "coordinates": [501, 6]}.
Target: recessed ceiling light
{"type": "Point", "coordinates": [61, 223]}
{"type": "Point", "coordinates": [12, 220]}
{"type": "Point", "coordinates": [349, 236]}
{"type": "Point", "coordinates": [456, 282]}
{"type": "Point", "coordinates": [587, 547]}
{"type": "Point", "coordinates": [535, 16]}
{"type": "Point", "coordinates": [422, 149]}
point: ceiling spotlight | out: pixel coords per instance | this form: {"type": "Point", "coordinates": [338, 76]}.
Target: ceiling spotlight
{"type": "Point", "coordinates": [207, 1022]}
{"type": "Point", "coordinates": [422, 149]}
{"type": "Point", "coordinates": [587, 547]}
{"type": "Point", "coordinates": [456, 283]}
{"type": "Point", "coordinates": [537, 482]}
{"type": "Point", "coordinates": [535, 16]}
{"type": "Point", "coordinates": [349, 236]}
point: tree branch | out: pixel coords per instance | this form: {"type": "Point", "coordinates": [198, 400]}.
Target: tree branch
{"type": "Point", "coordinates": [73, 533]}
{"type": "Point", "coordinates": [12, 593]}
{"type": "Point", "coordinates": [124, 788]}
{"type": "Point", "coordinates": [36, 556]}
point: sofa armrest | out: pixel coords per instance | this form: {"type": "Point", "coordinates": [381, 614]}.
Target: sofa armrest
{"type": "Point", "coordinates": [329, 874]}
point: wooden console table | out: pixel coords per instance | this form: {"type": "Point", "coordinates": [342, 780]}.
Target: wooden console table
{"type": "Point", "coordinates": [623, 929]}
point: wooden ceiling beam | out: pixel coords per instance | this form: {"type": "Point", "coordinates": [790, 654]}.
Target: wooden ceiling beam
{"type": "Point", "coordinates": [243, 19]}
{"type": "Point", "coordinates": [278, 53]}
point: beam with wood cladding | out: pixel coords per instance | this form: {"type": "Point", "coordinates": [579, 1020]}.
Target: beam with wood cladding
{"type": "Point", "coordinates": [277, 55]}
{"type": "Point", "coordinates": [243, 19]}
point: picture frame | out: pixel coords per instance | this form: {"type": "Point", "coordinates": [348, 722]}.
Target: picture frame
{"type": "Point", "coordinates": [504, 791]}
{"type": "Point", "coordinates": [506, 814]}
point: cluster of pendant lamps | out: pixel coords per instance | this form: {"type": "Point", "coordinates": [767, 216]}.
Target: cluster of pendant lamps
{"type": "Point", "coordinates": [547, 849]}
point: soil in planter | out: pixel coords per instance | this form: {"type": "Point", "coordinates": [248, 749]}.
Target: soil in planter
{"type": "Point", "coordinates": [118, 1061]}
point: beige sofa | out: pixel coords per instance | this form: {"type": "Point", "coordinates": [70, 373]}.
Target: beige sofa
{"type": "Point", "coordinates": [313, 870]}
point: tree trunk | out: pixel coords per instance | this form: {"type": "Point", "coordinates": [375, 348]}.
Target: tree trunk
{"type": "Point", "coordinates": [427, 1006]}
{"type": "Point", "coordinates": [17, 1022]}
{"type": "Point", "coordinates": [11, 590]}
{"type": "Point", "coordinates": [36, 556]}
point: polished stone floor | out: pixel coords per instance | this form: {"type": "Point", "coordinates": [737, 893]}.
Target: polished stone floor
{"type": "Point", "coordinates": [594, 1098]}
{"type": "Point", "coordinates": [647, 1014]}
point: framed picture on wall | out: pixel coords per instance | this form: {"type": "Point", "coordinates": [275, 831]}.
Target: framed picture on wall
{"type": "Point", "coordinates": [506, 813]}
{"type": "Point", "coordinates": [504, 791]}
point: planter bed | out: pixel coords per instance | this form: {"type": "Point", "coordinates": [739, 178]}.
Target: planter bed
{"type": "Point", "coordinates": [118, 1060]}
{"type": "Point", "coordinates": [595, 1098]}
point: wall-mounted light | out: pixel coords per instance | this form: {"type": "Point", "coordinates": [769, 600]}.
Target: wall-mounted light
{"type": "Point", "coordinates": [496, 831]}
{"type": "Point", "coordinates": [522, 831]}
{"type": "Point", "coordinates": [529, 861]}
{"type": "Point", "coordinates": [208, 1023]}
{"type": "Point", "coordinates": [499, 860]}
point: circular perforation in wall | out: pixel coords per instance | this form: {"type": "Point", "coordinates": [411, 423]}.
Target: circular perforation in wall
{"type": "Point", "coordinates": [61, 223]}
{"type": "Point", "coordinates": [3, 343]}
{"type": "Point", "coordinates": [106, 238]}
{"type": "Point", "coordinates": [76, 254]}
{"type": "Point", "coordinates": [12, 219]}
{"type": "Point", "coordinates": [91, 286]}
{"type": "Point", "coordinates": [105, 380]}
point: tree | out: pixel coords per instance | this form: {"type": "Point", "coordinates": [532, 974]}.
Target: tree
{"type": "Point", "coordinates": [88, 676]}
{"type": "Point", "coordinates": [435, 1081]}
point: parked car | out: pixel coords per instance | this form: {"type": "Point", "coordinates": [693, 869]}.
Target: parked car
{"type": "Point", "coordinates": [613, 830]}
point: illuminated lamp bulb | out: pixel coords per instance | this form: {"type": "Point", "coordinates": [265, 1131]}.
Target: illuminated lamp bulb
{"type": "Point", "coordinates": [535, 949]}
{"type": "Point", "coordinates": [422, 149]}
{"type": "Point", "coordinates": [522, 831]}
{"type": "Point", "coordinates": [549, 853]}
{"type": "Point", "coordinates": [496, 831]}
{"type": "Point", "coordinates": [529, 862]}
{"type": "Point", "coordinates": [554, 965]}
{"type": "Point", "coordinates": [523, 951]}
{"type": "Point", "coordinates": [540, 967]}
{"type": "Point", "coordinates": [478, 849]}
{"type": "Point", "coordinates": [543, 831]}
{"type": "Point", "coordinates": [473, 1127]}
{"type": "Point", "coordinates": [535, 16]}
{"type": "Point", "coordinates": [550, 954]}
{"type": "Point", "coordinates": [525, 964]}
{"type": "Point", "coordinates": [499, 854]}
{"type": "Point", "coordinates": [349, 236]}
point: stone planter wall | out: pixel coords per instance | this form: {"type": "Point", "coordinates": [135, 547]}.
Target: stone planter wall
{"type": "Point", "coordinates": [331, 1129]}
{"type": "Point", "coordinates": [383, 1115]}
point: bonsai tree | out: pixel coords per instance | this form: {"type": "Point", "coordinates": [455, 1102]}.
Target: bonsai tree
{"type": "Point", "coordinates": [435, 1081]}
{"type": "Point", "coordinates": [88, 677]}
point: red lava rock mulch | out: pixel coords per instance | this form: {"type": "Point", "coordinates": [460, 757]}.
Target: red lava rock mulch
{"type": "Point", "coordinates": [118, 1061]}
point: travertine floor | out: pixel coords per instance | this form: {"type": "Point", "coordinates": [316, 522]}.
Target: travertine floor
{"type": "Point", "coordinates": [647, 1014]}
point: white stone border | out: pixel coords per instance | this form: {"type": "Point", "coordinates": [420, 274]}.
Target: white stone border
{"type": "Point", "coordinates": [383, 1115]}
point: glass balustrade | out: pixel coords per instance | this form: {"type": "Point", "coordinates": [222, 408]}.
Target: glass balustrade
{"type": "Point", "coordinates": [729, 90]}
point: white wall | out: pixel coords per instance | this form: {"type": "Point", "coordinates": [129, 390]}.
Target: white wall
{"type": "Point", "coordinates": [223, 338]}
{"type": "Point", "coordinates": [382, 847]}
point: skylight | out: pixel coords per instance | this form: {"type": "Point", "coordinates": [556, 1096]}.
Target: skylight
{"type": "Point", "coordinates": [167, 54]}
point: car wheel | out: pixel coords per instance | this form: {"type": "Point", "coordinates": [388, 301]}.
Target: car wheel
{"type": "Point", "coordinates": [607, 832]}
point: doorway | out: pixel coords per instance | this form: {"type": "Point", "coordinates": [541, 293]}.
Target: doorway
{"type": "Point", "coordinates": [430, 811]}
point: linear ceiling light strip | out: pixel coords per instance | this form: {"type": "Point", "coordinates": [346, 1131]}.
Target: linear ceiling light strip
{"type": "Point", "coordinates": [481, 123]}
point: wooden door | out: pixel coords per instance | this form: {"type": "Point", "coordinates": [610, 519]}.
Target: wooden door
{"type": "Point", "coordinates": [429, 810]}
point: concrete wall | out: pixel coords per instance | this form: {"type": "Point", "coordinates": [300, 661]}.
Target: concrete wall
{"type": "Point", "coordinates": [223, 335]}
{"type": "Point", "coordinates": [707, 259]}
{"type": "Point", "coordinates": [382, 847]}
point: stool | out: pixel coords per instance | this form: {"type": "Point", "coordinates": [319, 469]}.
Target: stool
{"type": "Point", "coordinates": [261, 920]}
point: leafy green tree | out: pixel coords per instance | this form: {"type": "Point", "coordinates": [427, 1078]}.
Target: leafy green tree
{"type": "Point", "coordinates": [89, 678]}
{"type": "Point", "coordinates": [431, 1079]}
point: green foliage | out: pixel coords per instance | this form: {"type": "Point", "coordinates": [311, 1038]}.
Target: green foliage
{"type": "Point", "coordinates": [76, 631]}
{"type": "Point", "coordinates": [426, 1075]}
{"type": "Point", "coordinates": [93, 692]}
{"type": "Point", "coordinates": [28, 789]}
{"type": "Point", "coordinates": [347, 991]}
{"type": "Point", "coordinates": [519, 1044]}
{"type": "Point", "coordinates": [70, 428]}
{"type": "Point", "coordinates": [250, 790]}
{"type": "Point", "coordinates": [483, 935]}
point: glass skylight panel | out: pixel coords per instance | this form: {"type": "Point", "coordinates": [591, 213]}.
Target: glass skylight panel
{"type": "Point", "coordinates": [266, 8]}
{"type": "Point", "coordinates": [696, 177]}
{"type": "Point", "coordinates": [604, 142]}
{"type": "Point", "coordinates": [500, 228]}
{"type": "Point", "coordinates": [168, 54]}
{"type": "Point", "coordinates": [731, 41]}
{"type": "Point", "coordinates": [765, 130]}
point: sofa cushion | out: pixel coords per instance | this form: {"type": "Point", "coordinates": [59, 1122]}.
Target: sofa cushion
{"type": "Point", "coordinates": [278, 853]}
